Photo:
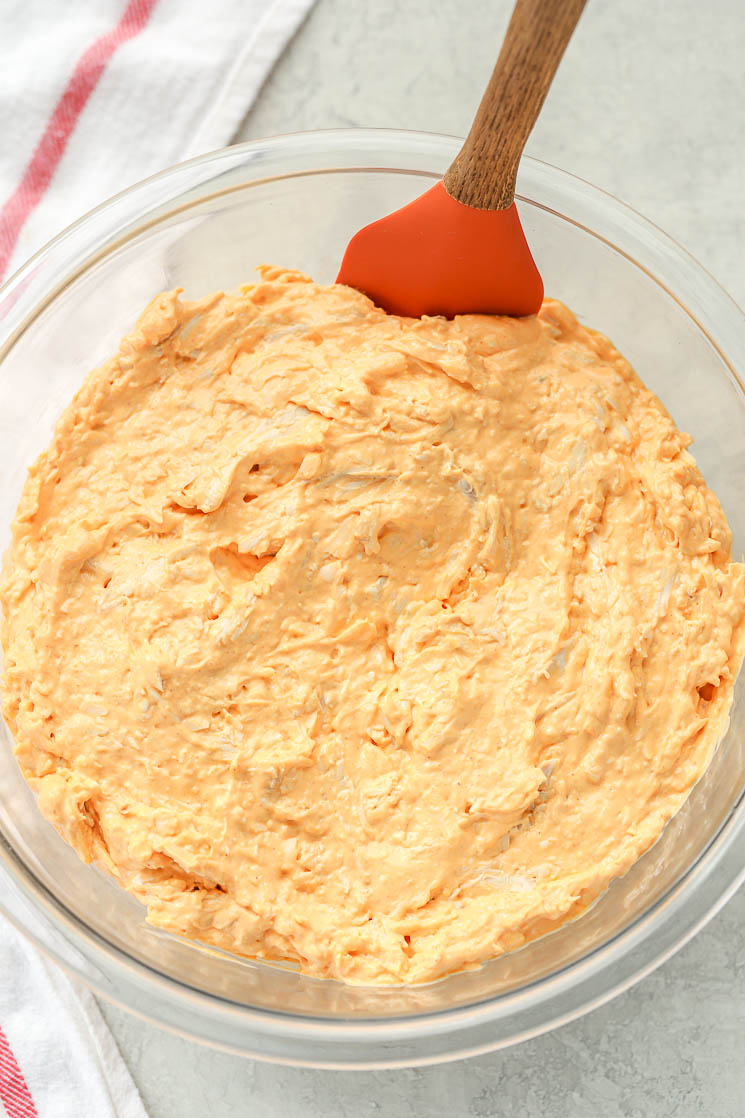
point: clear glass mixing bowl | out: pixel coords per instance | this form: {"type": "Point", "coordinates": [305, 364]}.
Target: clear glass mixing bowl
{"type": "Point", "coordinates": [295, 200]}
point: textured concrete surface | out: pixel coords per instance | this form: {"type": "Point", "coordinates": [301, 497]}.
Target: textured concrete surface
{"type": "Point", "coordinates": [648, 106]}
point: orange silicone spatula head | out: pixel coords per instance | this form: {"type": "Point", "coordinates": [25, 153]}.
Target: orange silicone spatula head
{"type": "Point", "coordinates": [460, 247]}
{"type": "Point", "coordinates": [437, 256]}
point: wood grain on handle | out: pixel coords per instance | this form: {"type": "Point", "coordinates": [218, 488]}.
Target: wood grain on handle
{"type": "Point", "coordinates": [483, 173]}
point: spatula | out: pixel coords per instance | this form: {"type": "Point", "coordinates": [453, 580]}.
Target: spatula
{"type": "Point", "coordinates": [460, 247]}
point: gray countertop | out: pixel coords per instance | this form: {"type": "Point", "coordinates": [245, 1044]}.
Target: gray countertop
{"type": "Point", "coordinates": [648, 105]}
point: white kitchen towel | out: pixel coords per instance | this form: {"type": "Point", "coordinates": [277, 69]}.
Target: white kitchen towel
{"type": "Point", "coordinates": [97, 94]}
{"type": "Point", "coordinates": [58, 1058]}
{"type": "Point", "coordinates": [94, 96]}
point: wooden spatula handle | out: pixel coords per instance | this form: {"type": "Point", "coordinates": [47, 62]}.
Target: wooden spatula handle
{"type": "Point", "coordinates": [483, 173]}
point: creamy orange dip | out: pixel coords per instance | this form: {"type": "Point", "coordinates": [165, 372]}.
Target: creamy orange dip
{"type": "Point", "coordinates": [377, 644]}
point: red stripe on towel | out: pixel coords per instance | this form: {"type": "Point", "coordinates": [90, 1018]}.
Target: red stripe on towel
{"type": "Point", "coordinates": [61, 124]}
{"type": "Point", "coordinates": [13, 1090]}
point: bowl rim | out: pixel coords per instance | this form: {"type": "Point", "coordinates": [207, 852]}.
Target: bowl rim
{"type": "Point", "coordinates": [469, 1021]}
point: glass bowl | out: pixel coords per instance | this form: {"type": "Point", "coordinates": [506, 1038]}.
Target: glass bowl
{"type": "Point", "coordinates": [295, 200]}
